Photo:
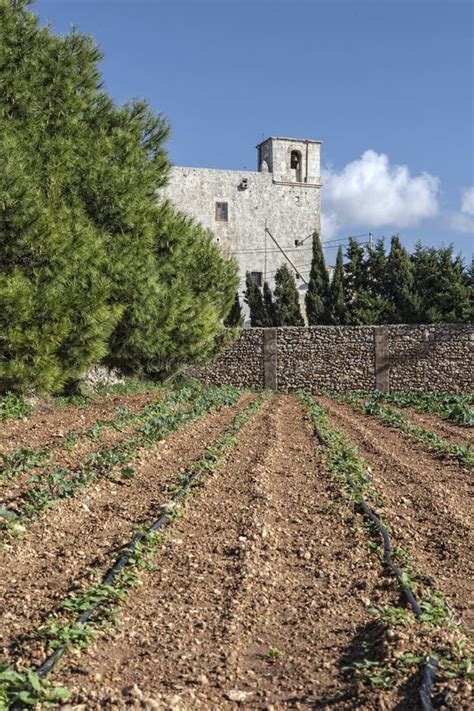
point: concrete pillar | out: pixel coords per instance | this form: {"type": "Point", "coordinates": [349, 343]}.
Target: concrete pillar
{"type": "Point", "coordinates": [382, 361]}
{"type": "Point", "coordinates": [270, 358]}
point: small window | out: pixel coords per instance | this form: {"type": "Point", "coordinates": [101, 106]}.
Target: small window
{"type": "Point", "coordinates": [295, 160]}
{"type": "Point", "coordinates": [222, 212]}
{"type": "Point", "coordinates": [257, 277]}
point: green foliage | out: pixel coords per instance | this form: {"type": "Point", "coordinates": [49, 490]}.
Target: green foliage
{"type": "Point", "coordinates": [254, 300]}
{"type": "Point", "coordinates": [455, 408]}
{"type": "Point", "coordinates": [194, 288]}
{"type": "Point", "coordinates": [161, 418]}
{"type": "Point", "coordinates": [270, 308]}
{"type": "Point", "coordinates": [356, 286]}
{"type": "Point", "coordinates": [425, 437]}
{"type": "Point", "coordinates": [317, 298]}
{"type": "Point", "coordinates": [402, 301]}
{"type": "Point", "coordinates": [13, 407]}
{"type": "Point", "coordinates": [26, 689]}
{"type": "Point", "coordinates": [337, 299]}
{"type": "Point", "coordinates": [287, 298]}
{"type": "Point", "coordinates": [235, 317]}
{"type": "Point", "coordinates": [92, 264]}
{"type": "Point", "coordinates": [55, 316]}
{"type": "Point", "coordinates": [442, 285]}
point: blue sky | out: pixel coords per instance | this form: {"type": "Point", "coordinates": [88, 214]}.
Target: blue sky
{"type": "Point", "coordinates": [387, 85]}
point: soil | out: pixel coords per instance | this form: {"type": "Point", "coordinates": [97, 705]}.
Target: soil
{"type": "Point", "coordinates": [81, 533]}
{"type": "Point", "coordinates": [427, 500]}
{"type": "Point", "coordinates": [49, 426]}
{"type": "Point", "coordinates": [261, 594]}
{"type": "Point", "coordinates": [450, 431]}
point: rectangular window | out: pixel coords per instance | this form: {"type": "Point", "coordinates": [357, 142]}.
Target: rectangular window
{"type": "Point", "coordinates": [222, 212]}
{"type": "Point", "coordinates": [257, 277]}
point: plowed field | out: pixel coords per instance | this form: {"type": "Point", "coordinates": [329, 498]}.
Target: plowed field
{"type": "Point", "coordinates": [261, 592]}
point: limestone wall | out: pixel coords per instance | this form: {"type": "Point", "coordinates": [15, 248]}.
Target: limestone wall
{"type": "Point", "coordinates": [405, 357]}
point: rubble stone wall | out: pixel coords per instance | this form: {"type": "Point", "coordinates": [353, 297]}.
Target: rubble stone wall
{"type": "Point", "coordinates": [407, 357]}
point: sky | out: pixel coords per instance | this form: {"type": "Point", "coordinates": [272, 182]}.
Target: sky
{"type": "Point", "coordinates": [386, 85]}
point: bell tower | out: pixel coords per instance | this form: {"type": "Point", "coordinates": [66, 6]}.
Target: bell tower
{"type": "Point", "coordinates": [290, 160]}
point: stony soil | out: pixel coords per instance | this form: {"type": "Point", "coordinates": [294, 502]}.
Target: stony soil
{"type": "Point", "coordinates": [58, 551]}
{"type": "Point", "coordinates": [263, 584]}
{"type": "Point", "coordinates": [48, 425]}
{"type": "Point", "coordinates": [450, 431]}
{"type": "Point", "coordinates": [426, 499]}
{"type": "Point", "coordinates": [262, 591]}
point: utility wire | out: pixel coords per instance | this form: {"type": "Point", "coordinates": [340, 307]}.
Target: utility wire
{"type": "Point", "coordinates": [284, 253]}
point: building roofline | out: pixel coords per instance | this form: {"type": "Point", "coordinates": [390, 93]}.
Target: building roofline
{"type": "Point", "coordinates": [285, 138]}
{"type": "Point", "coordinates": [219, 170]}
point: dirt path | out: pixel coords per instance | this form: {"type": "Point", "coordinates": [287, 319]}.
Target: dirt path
{"type": "Point", "coordinates": [427, 502]}
{"type": "Point", "coordinates": [262, 593]}
{"type": "Point", "coordinates": [82, 532]}
{"type": "Point", "coordinates": [48, 427]}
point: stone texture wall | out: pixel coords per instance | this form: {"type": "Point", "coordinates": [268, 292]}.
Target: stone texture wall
{"type": "Point", "coordinates": [431, 357]}
{"type": "Point", "coordinates": [326, 358]}
{"type": "Point", "coordinates": [241, 364]}
{"type": "Point", "coordinates": [346, 358]}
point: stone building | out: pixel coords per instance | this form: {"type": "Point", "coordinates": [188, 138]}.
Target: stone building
{"type": "Point", "coordinates": [258, 216]}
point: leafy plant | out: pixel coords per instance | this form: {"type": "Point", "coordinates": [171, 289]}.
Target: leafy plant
{"type": "Point", "coordinates": [13, 407]}
{"type": "Point", "coordinates": [27, 689]}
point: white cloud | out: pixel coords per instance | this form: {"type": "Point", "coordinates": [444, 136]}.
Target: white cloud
{"type": "Point", "coordinates": [369, 193]}
{"type": "Point", "coordinates": [463, 220]}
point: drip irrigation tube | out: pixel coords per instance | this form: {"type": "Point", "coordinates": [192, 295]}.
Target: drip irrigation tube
{"type": "Point", "coordinates": [44, 669]}
{"type": "Point", "coordinates": [430, 668]}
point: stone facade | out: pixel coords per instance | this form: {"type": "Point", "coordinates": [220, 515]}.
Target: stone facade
{"type": "Point", "coordinates": [396, 358]}
{"type": "Point", "coordinates": [279, 197]}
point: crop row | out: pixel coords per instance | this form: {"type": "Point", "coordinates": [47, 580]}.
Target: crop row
{"type": "Point", "coordinates": [455, 408]}
{"type": "Point", "coordinates": [75, 624]}
{"type": "Point", "coordinates": [161, 418]}
{"type": "Point", "coordinates": [397, 419]}
{"type": "Point", "coordinates": [435, 627]}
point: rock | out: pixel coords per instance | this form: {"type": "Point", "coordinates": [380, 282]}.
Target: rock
{"type": "Point", "coordinates": [238, 696]}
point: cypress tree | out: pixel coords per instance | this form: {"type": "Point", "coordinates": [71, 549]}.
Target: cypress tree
{"type": "Point", "coordinates": [253, 298]}
{"type": "Point", "coordinates": [376, 265]}
{"type": "Point", "coordinates": [454, 292]}
{"type": "Point", "coordinates": [337, 302]}
{"type": "Point", "coordinates": [287, 298]}
{"type": "Point", "coordinates": [356, 286]}
{"type": "Point", "coordinates": [317, 295]}
{"type": "Point", "coordinates": [270, 308]}
{"type": "Point", "coordinates": [235, 317]}
{"type": "Point", "coordinates": [402, 303]}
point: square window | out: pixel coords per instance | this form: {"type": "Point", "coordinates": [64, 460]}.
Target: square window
{"type": "Point", "coordinates": [257, 277]}
{"type": "Point", "coordinates": [222, 212]}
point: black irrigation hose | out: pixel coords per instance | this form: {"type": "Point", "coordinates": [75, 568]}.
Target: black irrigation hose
{"type": "Point", "coordinates": [430, 668]}
{"type": "Point", "coordinates": [429, 675]}
{"type": "Point", "coordinates": [43, 670]}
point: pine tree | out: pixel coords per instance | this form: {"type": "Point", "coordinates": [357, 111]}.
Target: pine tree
{"type": "Point", "coordinates": [254, 299]}
{"type": "Point", "coordinates": [270, 308]}
{"type": "Point", "coordinates": [92, 264]}
{"type": "Point", "coordinates": [55, 310]}
{"type": "Point", "coordinates": [287, 298]}
{"type": "Point", "coordinates": [317, 295]}
{"type": "Point", "coordinates": [337, 301]}
{"type": "Point", "coordinates": [402, 303]}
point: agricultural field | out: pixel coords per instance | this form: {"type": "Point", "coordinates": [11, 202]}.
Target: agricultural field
{"type": "Point", "coordinates": [196, 548]}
